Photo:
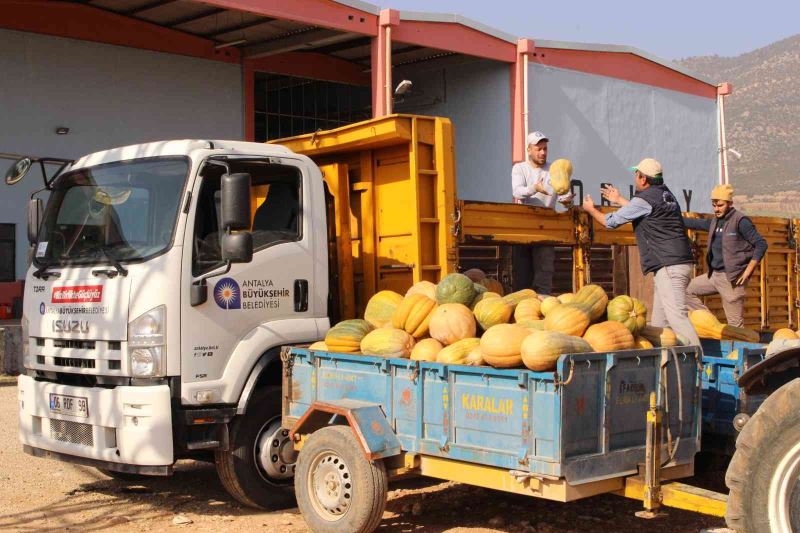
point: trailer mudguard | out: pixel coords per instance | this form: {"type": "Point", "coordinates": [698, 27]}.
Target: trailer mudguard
{"type": "Point", "coordinates": [784, 360]}
{"type": "Point", "coordinates": [367, 420]}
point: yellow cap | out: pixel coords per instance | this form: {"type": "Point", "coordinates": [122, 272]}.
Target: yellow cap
{"type": "Point", "coordinates": [723, 192]}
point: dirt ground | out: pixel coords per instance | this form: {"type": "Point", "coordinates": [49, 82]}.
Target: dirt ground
{"type": "Point", "coordinates": [43, 495]}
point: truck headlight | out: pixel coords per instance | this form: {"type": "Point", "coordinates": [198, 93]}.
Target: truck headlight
{"type": "Point", "coordinates": [147, 336]}
{"type": "Point", "coordinates": [26, 342]}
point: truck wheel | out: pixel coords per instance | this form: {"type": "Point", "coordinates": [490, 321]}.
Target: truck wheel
{"type": "Point", "coordinates": [338, 488]}
{"type": "Point", "coordinates": [764, 472]}
{"type": "Point", "coordinates": [258, 468]}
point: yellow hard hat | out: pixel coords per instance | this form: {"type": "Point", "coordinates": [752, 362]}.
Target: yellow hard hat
{"type": "Point", "coordinates": [722, 192]}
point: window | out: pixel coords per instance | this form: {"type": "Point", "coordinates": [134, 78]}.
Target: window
{"type": "Point", "coordinates": [275, 210]}
{"type": "Point", "coordinates": [287, 106]}
{"type": "Point", "coordinates": [7, 252]}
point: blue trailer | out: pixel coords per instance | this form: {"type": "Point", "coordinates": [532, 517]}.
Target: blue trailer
{"type": "Point", "coordinates": [576, 432]}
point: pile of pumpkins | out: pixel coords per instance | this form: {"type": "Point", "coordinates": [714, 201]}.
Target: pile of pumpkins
{"type": "Point", "coordinates": [466, 319]}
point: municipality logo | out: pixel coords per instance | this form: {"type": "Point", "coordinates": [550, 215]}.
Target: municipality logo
{"type": "Point", "coordinates": [227, 294]}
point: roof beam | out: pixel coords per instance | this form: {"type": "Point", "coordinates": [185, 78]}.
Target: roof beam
{"type": "Point", "coordinates": [293, 42]}
{"type": "Point", "coordinates": [146, 7]}
{"type": "Point", "coordinates": [239, 27]}
{"type": "Point", "coordinates": [396, 51]}
{"type": "Point", "coordinates": [346, 45]}
{"type": "Point", "coordinates": [195, 17]}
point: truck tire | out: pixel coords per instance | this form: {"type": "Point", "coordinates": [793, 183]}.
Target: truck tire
{"type": "Point", "coordinates": [258, 468]}
{"type": "Point", "coordinates": [338, 488]}
{"type": "Point", "coordinates": [764, 472]}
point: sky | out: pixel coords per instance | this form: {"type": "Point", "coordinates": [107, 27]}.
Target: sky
{"type": "Point", "coordinates": [670, 29]}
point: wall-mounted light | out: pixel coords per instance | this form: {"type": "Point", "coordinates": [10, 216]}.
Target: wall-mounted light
{"type": "Point", "coordinates": [62, 130]}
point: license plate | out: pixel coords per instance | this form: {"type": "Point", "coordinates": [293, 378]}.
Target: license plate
{"type": "Point", "coordinates": [69, 405]}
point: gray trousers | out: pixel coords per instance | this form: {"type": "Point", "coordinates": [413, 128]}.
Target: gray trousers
{"type": "Point", "coordinates": [732, 296]}
{"type": "Point", "coordinates": [534, 265]}
{"type": "Point", "coordinates": [669, 302]}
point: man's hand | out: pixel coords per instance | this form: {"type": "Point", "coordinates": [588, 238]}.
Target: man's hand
{"type": "Point", "coordinates": [540, 188]}
{"type": "Point", "coordinates": [566, 199]}
{"type": "Point", "coordinates": [745, 277]}
{"type": "Point", "coordinates": [611, 194]}
{"type": "Point", "coordinates": [588, 203]}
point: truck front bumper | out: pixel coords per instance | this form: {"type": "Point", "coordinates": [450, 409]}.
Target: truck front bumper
{"type": "Point", "coordinates": [126, 429]}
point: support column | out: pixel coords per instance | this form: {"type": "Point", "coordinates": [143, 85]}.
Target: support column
{"type": "Point", "coordinates": [382, 63]}
{"type": "Point", "coordinates": [519, 99]}
{"type": "Point", "coordinates": [249, 108]}
{"type": "Point", "coordinates": [723, 90]}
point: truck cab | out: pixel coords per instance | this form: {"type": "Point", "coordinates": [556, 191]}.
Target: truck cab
{"type": "Point", "coordinates": [164, 279]}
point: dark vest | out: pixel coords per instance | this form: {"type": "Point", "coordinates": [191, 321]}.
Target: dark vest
{"type": "Point", "coordinates": [736, 252]}
{"type": "Point", "coordinates": [661, 235]}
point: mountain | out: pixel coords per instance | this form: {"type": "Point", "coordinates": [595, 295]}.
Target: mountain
{"type": "Point", "coordinates": [762, 119]}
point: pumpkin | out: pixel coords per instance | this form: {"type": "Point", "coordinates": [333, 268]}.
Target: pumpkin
{"type": "Point", "coordinates": [346, 335]}
{"type": "Point", "coordinates": [387, 342]}
{"type": "Point", "coordinates": [516, 297]}
{"type": "Point", "coordinates": [413, 315]}
{"type": "Point", "coordinates": [709, 327]}
{"type": "Point", "coordinates": [537, 325]}
{"type": "Point", "coordinates": [548, 304]}
{"type": "Point", "coordinates": [475, 357]}
{"type": "Point", "coordinates": [381, 308]}
{"type": "Point", "coordinates": [452, 322]}
{"type": "Point", "coordinates": [426, 350]}
{"type": "Point", "coordinates": [455, 289]}
{"type": "Point", "coordinates": [629, 311]}
{"type": "Point", "coordinates": [456, 353]}
{"type": "Point", "coordinates": [642, 343]}
{"type": "Point", "coordinates": [491, 312]}
{"type": "Point", "coordinates": [492, 285]}
{"type": "Point", "coordinates": [475, 274]}
{"type": "Point", "coordinates": [560, 175]}
{"type": "Point", "coordinates": [609, 336]}
{"type": "Point", "coordinates": [501, 344]}
{"type": "Point", "coordinates": [528, 309]}
{"type": "Point", "coordinates": [483, 296]}
{"type": "Point", "coordinates": [479, 289]}
{"type": "Point", "coordinates": [568, 319]}
{"type": "Point", "coordinates": [423, 287]}
{"type": "Point", "coordinates": [319, 345]}
{"type": "Point", "coordinates": [594, 298]}
{"type": "Point", "coordinates": [661, 337]}
{"type": "Point", "coordinates": [784, 333]}
{"type": "Point", "coordinates": [541, 349]}
{"type": "Point", "coordinates": [567, 297]}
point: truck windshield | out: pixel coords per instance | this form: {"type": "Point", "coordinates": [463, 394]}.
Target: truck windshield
{"type": "Point", "coordinates": [122, 211]}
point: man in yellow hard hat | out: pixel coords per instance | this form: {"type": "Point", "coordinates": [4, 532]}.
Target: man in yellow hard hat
{"type": "Point", "coordinates": [734, 250]}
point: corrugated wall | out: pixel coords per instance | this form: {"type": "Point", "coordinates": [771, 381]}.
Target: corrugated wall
{"type": "Point", "coordinates": [605, 125]}
{"type": "Point", "coordinates": [108, 96]}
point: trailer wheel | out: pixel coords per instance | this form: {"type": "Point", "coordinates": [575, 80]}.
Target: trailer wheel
{"type": "Point", "coordinates": [764, 474]}
{"type": "Point", "coordinates": [259, 467]}
{"type": "Point", "coordinates": [338, 488]}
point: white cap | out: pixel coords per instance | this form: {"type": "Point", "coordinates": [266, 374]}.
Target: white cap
{"type": "Point", "coordinates": [536, 137]}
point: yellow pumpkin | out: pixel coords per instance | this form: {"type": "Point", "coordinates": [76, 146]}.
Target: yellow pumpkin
{"type": "Point", "coordinates": [346, 336]}
{"type": "Point", "coordinates": [528, 309]}
{"type": "Point", "coordinates": [784, 333]}
{"type": "Point", "coordinates": [501, 344]}
{"type": "Point", "coordinates": [456, 353]}
{"type": "Point", "coordinates": [426, 350]}
{"type": "Point", "coordinates": [609, 336]}
{"type": "Point", "coordinates": [642, 343]}
{"type": "Point", "coordinates": [475, 357]}
{"type": "Point", "coordinates": [629, 311]}
{"type": "Point", "coordinates": [660, 337]}
{"type": "Point", "coordinates": [594, 298]}
{"type": "Point", "coordinates": [452, 322]}
{"type": "Point", "coordinates": [548, 304]}
{"type": "Point", "coordinates": [492, 285]}
{"type": "Point", "coordinates": [414, 314]}
{"type": "Point", "coordinates": [541, 349]}
{"type": "Point", "coordinates": [483, 296]}
{"type": "Point", "coordinates": [560, 175]}
{"type": "Point", "coordinates": [709, 327]}
{"type": "Point", "coordinates": [566, 298]}
{"type": "Point", "coordinates": [535, 325]}
{"type": "Point", "coordinates": [319, 345]}
{"type": "Point", "coordinates": [567, 319]}
{"type": "Point", "coordinates": [423, 287]}
{"type": "Point", "coordinates": [381, 308]}
{"type": "Point", "coordinates": [387, 342]}
{"type": "Point", "coordinates": [491, 312]}
{"type": "Point", "coordinates": [516, 297]}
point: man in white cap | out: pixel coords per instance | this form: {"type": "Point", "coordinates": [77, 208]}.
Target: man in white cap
{"type": "Point", "coordinates": [664, 248]}
{"type": "Point", "coordinates": [533, 265]}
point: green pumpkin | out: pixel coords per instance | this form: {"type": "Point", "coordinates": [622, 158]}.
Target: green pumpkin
{"type": "Point", "coordinates": [455, 289]}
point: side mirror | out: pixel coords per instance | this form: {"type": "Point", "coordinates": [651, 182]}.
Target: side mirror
{"type": "Point", "coordinates": [34, 218]}
{"type": "Point", "coordinates": [237, 247]}
{"type": "Point", "coordinates": [235, 204]}
{"type": "Point", "coordinates": [17, 170]}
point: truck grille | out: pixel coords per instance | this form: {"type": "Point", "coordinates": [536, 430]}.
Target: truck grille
{"type": "Point", "coordinates": [81, 345]}
{"type": "Point", "coordinates": [71, 432]}
{"type": "Point", "coordinates": [73, 362]}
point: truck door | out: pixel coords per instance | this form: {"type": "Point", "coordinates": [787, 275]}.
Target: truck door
{"type": "Point", "coordinates": [273, 287]}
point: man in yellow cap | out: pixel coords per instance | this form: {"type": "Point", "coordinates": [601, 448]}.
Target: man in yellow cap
{"type": "Point", "coordinates": [734, 250]}
{"type": "Point", "coordinates": [664, 248]}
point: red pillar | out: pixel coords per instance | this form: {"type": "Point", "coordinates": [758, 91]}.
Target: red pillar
{"type": "Point", "coordinates": [381, 63]}
{"type": "Point", "coordinates": [525, 48]}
